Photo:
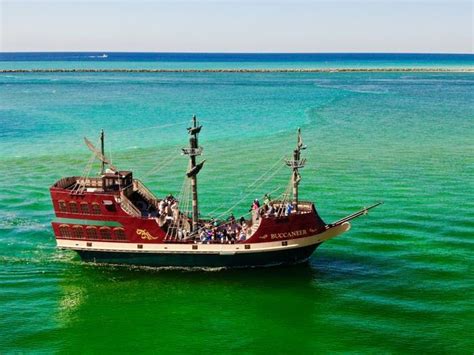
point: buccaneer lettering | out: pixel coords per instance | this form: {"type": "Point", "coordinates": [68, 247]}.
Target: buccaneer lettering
{"type": "Point", "coordinates": [293, 234]}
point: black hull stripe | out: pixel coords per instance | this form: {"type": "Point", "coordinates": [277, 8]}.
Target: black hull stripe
{"type": "Point", "coordinates": [279, 257]}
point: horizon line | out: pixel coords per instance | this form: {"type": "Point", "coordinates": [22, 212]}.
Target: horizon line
{"type": "Point", "coordinates": [232, 52]}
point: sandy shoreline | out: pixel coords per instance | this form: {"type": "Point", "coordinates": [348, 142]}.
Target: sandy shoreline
{"type": "Point", "coordinates": [320, 70]}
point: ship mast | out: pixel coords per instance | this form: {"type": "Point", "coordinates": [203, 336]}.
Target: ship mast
{"type": "Point", "coordinates": [295, 164]}
{"type": "Point", "coordinates": [102, 150]}
{"type": "Point", "coordinates": [193, 151]}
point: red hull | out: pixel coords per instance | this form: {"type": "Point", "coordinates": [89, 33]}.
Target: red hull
{"type": "Point", "coordinates": [105, 216]}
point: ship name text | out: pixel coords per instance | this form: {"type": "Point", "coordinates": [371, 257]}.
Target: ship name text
{"type": "Point", "coordinates": [298, 233]}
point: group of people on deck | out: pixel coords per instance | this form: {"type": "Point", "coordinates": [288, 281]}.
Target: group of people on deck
{"type": "Point", "coordinates": [231, 231]}
{"type": "Point", "coordinates": [268, 209]}
{"type": "Point", "coordinates": [168, 209]}
{"type": "Point", "coordinates": [227, 233]}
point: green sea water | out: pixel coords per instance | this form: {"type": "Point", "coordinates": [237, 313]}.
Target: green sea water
{"type": "Point", "coordinates": [400, 281]}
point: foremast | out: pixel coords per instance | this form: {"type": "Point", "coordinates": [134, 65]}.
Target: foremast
{"type": "Point", "coordinates": [295, 164]}
{"type": "Point", "coordinates": [102, 151]}
{"type": "Point", "coordinates": [193, 151]}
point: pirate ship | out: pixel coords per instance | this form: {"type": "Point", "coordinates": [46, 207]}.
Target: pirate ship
{"type": "Point", "coordinates": [115, 218]}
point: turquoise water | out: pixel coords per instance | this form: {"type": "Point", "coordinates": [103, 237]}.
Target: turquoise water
{"type": "Point", "coordinates": [400, 281]}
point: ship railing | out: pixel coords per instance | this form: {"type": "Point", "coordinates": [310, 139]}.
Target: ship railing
{"type": "Point", "coordinates": [145, 192]}
{"type": "Point", "coordinates": [128, 206]}
{"type": "Point", "coordinates": [90, 182]}
{"type": "Point", "coordinates": [303, 206]}
{"type": "Point", "coordinates": [66, 182]}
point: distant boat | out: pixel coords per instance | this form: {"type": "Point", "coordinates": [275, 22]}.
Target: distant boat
{"type": "Point", "coordinates": [114, 218]}
{"type": "Point", "coordinates": [103, 56]}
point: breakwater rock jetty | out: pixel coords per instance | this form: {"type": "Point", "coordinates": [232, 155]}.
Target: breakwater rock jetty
{"type": "Point", "coordinates": [291, 70]}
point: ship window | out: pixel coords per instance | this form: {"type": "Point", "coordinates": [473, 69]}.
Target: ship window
{"type": "Point", "coordinates": [105, 233]}
{"type": "Point", "coordinates": [78, 232]}
{"type": "Point", "coordinates": [120, 234]}
{"type": "Point", "coordinates": [62, 206]}
{"type": "Point", "coordinates": [73, 207]}
{"type": "Point", "coordinates": [65, 231]}
{"type": "Point", "coordinates": [95, 208]}
{"type": "Point", "coordinates": [91, 233]}
{"type": "Point", "coordinates": [84, 207]}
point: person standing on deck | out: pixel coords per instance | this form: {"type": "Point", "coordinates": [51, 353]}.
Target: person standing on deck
{"type": "Point", "coordinates": [255, 210]}
{"type": "Point", "coordinates": [266, 199]}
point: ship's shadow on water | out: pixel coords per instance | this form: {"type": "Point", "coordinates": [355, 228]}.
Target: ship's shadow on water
{"type": "Point", "coordinates": [318, 268]}
{"type": "Point", "coordinates": [224, 302]}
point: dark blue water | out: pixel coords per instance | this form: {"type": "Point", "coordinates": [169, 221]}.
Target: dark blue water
{"type": "Point", "coordinates": [467, 59]}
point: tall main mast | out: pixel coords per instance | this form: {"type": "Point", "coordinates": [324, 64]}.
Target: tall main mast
{"type": "Point", "coordinates": [102, 151]}
{"type": "Point", "coordinates": [193, 151]}
{"type": "Point", "coordinates": [295, 164]}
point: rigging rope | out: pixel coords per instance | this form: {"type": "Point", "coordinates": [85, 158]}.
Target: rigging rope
{"type": "Point", "coordinates": [246, 195]}
{"type": "Point", "coordinates": [252, 184]}
{"type": "Point", "coordinates": [163, 164]}
{"type": "Point", "coordinates": [80, 185]}
{"type": "Point", "coordinates": [148, 128]}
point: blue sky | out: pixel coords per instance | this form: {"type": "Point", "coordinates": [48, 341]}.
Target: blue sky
{"type": "Point", "coordinates": [238, 26]}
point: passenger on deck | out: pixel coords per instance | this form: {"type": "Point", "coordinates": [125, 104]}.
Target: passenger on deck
{"type": "Point", "coordinates": [174, 209]}
{"type": "Point", "coordinates": [231, 233]}
{"type": "Point", "coordinates": [162, 206]}
{"type": "Point", "coordinates": [255, 209]}
{"type": "Point", "coordinates": [224, 237]}
{"type": "Point", "coordinates": [231, 218]}
{"type": "Point", "coordinates": [256, 204]}
{"type": "Point", "coordinates": [203, 236]}
{"type": "Point", "coordinates": [244, 227]}
{"type": "Point", "coordinates": [266, 199]}
{"type": "Point", "coordinates": [242, 235]}
{"type": "Point", "coordinates": [289, 208]}
{"type": "Point", "coordinates": [270, 211]}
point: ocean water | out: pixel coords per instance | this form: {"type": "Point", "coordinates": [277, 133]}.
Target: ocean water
{"type": "Point", "coordinates": [401, 280]}
{"type": "Point", "coordinates": [213, 61]}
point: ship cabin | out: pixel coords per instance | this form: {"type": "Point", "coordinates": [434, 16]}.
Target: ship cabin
{"type": "Point", "coordinates": [117, 181]}
{"type": "Point", "coordinates": [112, 191]}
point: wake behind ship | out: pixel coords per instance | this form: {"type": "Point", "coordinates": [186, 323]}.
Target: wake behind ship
{"type": "Point", "coordinates": [114, 218]}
